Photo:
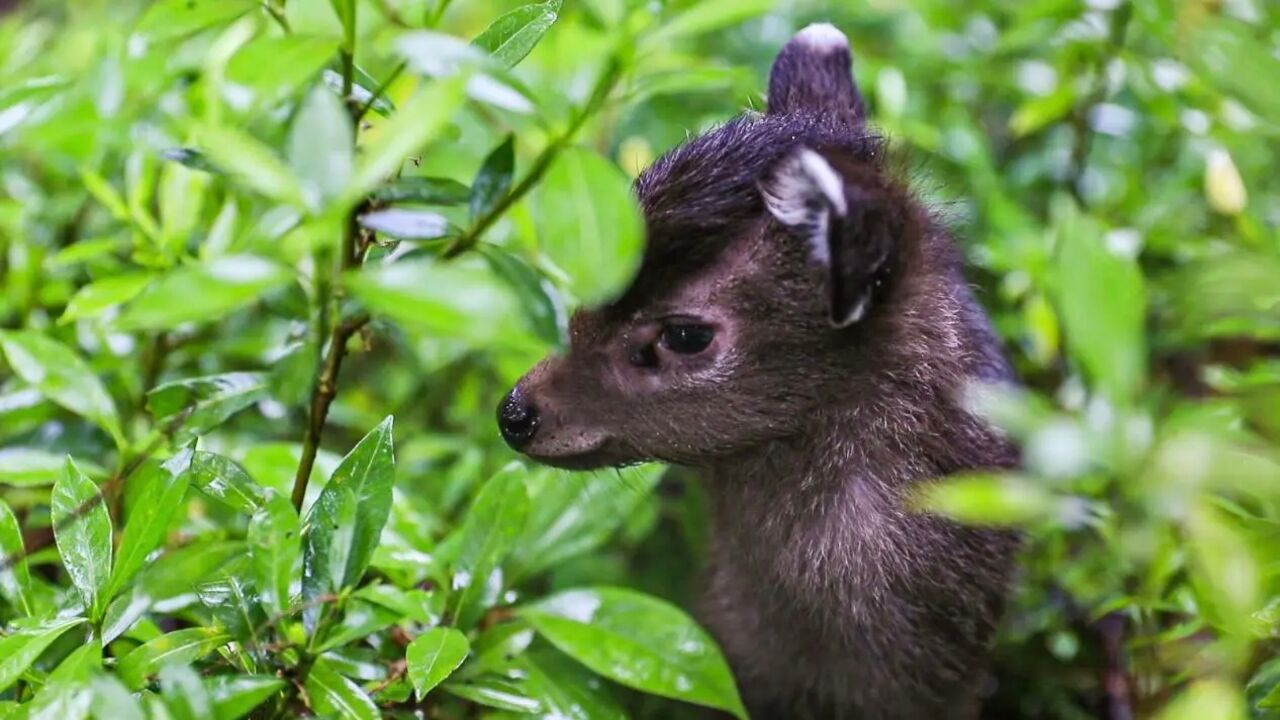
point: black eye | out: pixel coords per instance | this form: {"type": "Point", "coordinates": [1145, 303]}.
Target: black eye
{"type": "Point", "coordinates": [687, 338]}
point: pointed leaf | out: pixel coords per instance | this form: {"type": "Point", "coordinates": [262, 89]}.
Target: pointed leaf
{"type": "Point", "coordinates": [82, 531]}
{"type": "Point", "coordinates": [294, 59]}
{"type": "Point", "coordinates": [19, 650]}
{"type": "Point", "coordinates": [511, 37]}
{"type": "Point", "coordinates": [113, 701]}
{"type": "Point", "coordinates": [589, 224]}
{"type": "Point", "coordinates": [197, 405]}
{"type": "Point", "coordinates": [221, 477]}
{"type": "Point", "coordinates": [496, 692]}
{"type": "Point", "coordinates": [60, 375]}
{"type": "Point", "coordinates": [235, 696]}
{"type": "Point", "coordinates": [538, 299]}
{"type": "Point", "coordinates": [178, 647]}
{"type": "Point", "coordinates": [406, 224]}
{"type": "Point", "coordinates": [329, 693]}
{"type": "Point", "coordinates": [15, 575]}
{"type": "Point", "coordinates": [342, 528]}
{"type": "Point", "coordinates": [101, 295]}
{"type": "Point", "coordinates": [275, 548]}
{"type": "Point", "coordinates": [163, 486]}
{"type": "Point", "coordinates": [202, 292]}
{"type": "Point", "coordinates": [494, 178]}
{"type": "Point", "coordinates": [492, 525]}
{"type": "Point", "coordinates": [639, 641]}
{"type": "Point", "coordinates": [250, 162]}
{"type": "Point", "coordinates": [433, 656]}
{"type": "Point", "coordinates": [424, 190]}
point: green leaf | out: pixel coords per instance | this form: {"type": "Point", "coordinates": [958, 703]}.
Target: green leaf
{"type": "Point", "coordinates": [113, 701]}
{"type": "Point", "coordinates": [190, 158]}
{"type": "Point", "coordinates": [178, 647]}
{"type": "Point", "coordinates": [460, 300]}
{"type": "Point", "coordinates": [490, 530]}
{"type": "Point", "coordinates": [182, 193]}
{"type": "Point", "coordinates": [417, 122]}
{"type": "Point", "coordinates": [221, 285]}
{"type": "Point", "coordinates": [1230, 54]}
{"type": "Point", "coordinates": [342, 528]}
{"type": "Point", "coordinates": [172, 19]}
{"type": "Point", "coordinates": [639, 641]}
{"type": "Point", "coordinates": [708, 15]}
{"type": "Point", "coordinates": [184, 694]}
{"type": "Point", "coordinates": [98, 296]}
{"type": "Point", "coordinates": [235, 696]}
{"type": "Point", "coordinates": [538, 299]}
{"type": "Point", "coordinates": [360, 92]}
{"type": "Point", "coordinates": [15, 575]}
{"type": "Point", "coordinates": [221, 477]}
{"type": "Point", "coordinates": [497, 692]}
{"type": "Point", "coordinates": [589, 225]}
{"type": "Point", "coordinates": [34, 467]}
{"type": "Point", "coordinates": [1103, 305]}
{"type": "Point", "coordinates": [66, 692]}
{"type": "Point", "coordinates": [988, 499]}
{"type": "Point", "coordinates": [574, 513]}
{"type": "Point", "coordinates": [274, 536]}
{"type": "Point", "coordinates": [511, 37]}
{"type": "Point", "coordinates": [494, 178]}
{"type": "Point", "coordinates": [565, 689]}
{"type": "Point", "coordinates": [433, 656]}
{"type": "Point", "coordinates": [82, 531]}
{"type": "Point", "coordinates": [360, 620]}
{"type": "Point", "coordinates": [104, 193]}
{"type": "Point", "coordinates": [172, 579]}
{"type": "Point", "coordinates": [196, 405]}
{"type": "Point", "coordinates": [163, 486]}
{"type": "Point", "coordinates": [252, 163]}
{"type": "Point", "coordinates": [424, 190]}
{"type": "Point", "coordinates": [329, 693]}
{"type": "Point", "coordinates": [320, 151]}
{"type": "Point", "coordinates": [19, 650]}
{"type": "Point", "coordinates": [417, 605]}
{"type": "Point", "coordinates": [60, 375]}
{"type": "Point", "coordinates": [406, 224]}
{"type": "Point", "coordinates": [293, 59]}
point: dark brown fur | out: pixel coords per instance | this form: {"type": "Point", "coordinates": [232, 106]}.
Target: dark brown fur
{"type": "Point", "coordinates": [830, 598]}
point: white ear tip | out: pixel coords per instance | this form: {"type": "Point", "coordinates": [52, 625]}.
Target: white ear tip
{"type": "Point", "coordinates": [823, 37]}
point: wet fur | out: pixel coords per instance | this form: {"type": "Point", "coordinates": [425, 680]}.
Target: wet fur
{"type": "Point", "coordinates": [830, 598]}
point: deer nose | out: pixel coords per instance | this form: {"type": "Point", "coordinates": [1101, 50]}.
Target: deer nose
{"type": "Point", "coordinates": [517, 419]}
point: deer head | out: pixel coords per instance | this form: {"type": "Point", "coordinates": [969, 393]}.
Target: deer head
{"type": "Point", "coordinates": [779, 251]}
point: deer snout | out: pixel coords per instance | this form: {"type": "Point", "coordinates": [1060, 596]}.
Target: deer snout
{"type": "Point", "coordinates": [517, 419]}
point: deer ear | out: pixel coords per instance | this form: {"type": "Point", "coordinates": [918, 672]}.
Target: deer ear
{"type": "Point", "coordinates": [812, 74]}
{"type": "Point", "coordinates": [851, 231]}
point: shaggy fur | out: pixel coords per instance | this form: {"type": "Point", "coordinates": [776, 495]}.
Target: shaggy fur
{"type": "Point", "coordinates": [811, 423]}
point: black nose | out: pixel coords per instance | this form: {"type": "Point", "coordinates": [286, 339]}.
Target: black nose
{"type": "Point", "coordinates": [517, 419]}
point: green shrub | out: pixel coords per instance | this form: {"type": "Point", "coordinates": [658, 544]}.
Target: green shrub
{"type": "Point", "coordinates": [240, 236]}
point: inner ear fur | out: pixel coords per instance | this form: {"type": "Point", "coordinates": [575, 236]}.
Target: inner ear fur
{"type": "Point", "coordinates": [849, 220]}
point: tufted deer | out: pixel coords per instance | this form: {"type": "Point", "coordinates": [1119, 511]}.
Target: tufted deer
{"type": "Point", "coordinates": [799, 331]}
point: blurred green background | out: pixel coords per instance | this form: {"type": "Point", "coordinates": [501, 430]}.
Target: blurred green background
{"type": "Point", "coordinates": [202, 203]}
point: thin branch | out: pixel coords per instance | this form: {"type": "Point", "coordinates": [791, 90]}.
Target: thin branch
{"type": "Point", "coordinates": [599, 93]}
{"type": "Point", "coordinates": [323, 392]}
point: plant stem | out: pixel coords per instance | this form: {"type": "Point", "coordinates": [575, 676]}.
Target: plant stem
{"type": "Point", "coordinates": [599, 93]}
{"type": "Point", "coordinates": [325, 389]}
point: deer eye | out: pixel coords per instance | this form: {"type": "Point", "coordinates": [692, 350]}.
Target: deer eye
{"type": "Point", "coordinates": [687, 338]}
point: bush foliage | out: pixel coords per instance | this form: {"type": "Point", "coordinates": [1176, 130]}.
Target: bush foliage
{"type": "Point", "coordinates": [241, 236]}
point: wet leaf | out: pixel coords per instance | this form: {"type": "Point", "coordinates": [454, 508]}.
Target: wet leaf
{"type": "Point", "coordinates": [496, 692]}
{"type": "Point", "coordinates": [492, 525]}
{"type": "Point", "coordinates": [15, 574]}
{"type": "Point", "coordinates": [222, 478]}
{"type": "Point", "coordinates": [235, 696]}
{"type": "Point", "coordinates": [178, 647]}
{"type": "Point", "coordinates": [82, 531]}
{"type": "Point", "coordinates": [639, 641]}
{"type": "Point", "coordinates": [163, 486]}
{"type": "Point", "coordinates": [330, 693]}
{"type": "Point", "coordinates": [275, 542]}
{"type": "Point", "coordinates": [60, 375]}
{"type": "Point", "coordinates": [342, 528]}
{"type": "Point", "coordinates": [494, 178]}
{"type": "Point", "coordinates": [406, 224]}
{"type": "Point", "coordinates": [511, 37]}
{"type": "Point", "coordinates": [433, 656]}
{"type": "Point", "coordinates": [196, 405]}
{"type": "Point", "coordinates": [19, 650]}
